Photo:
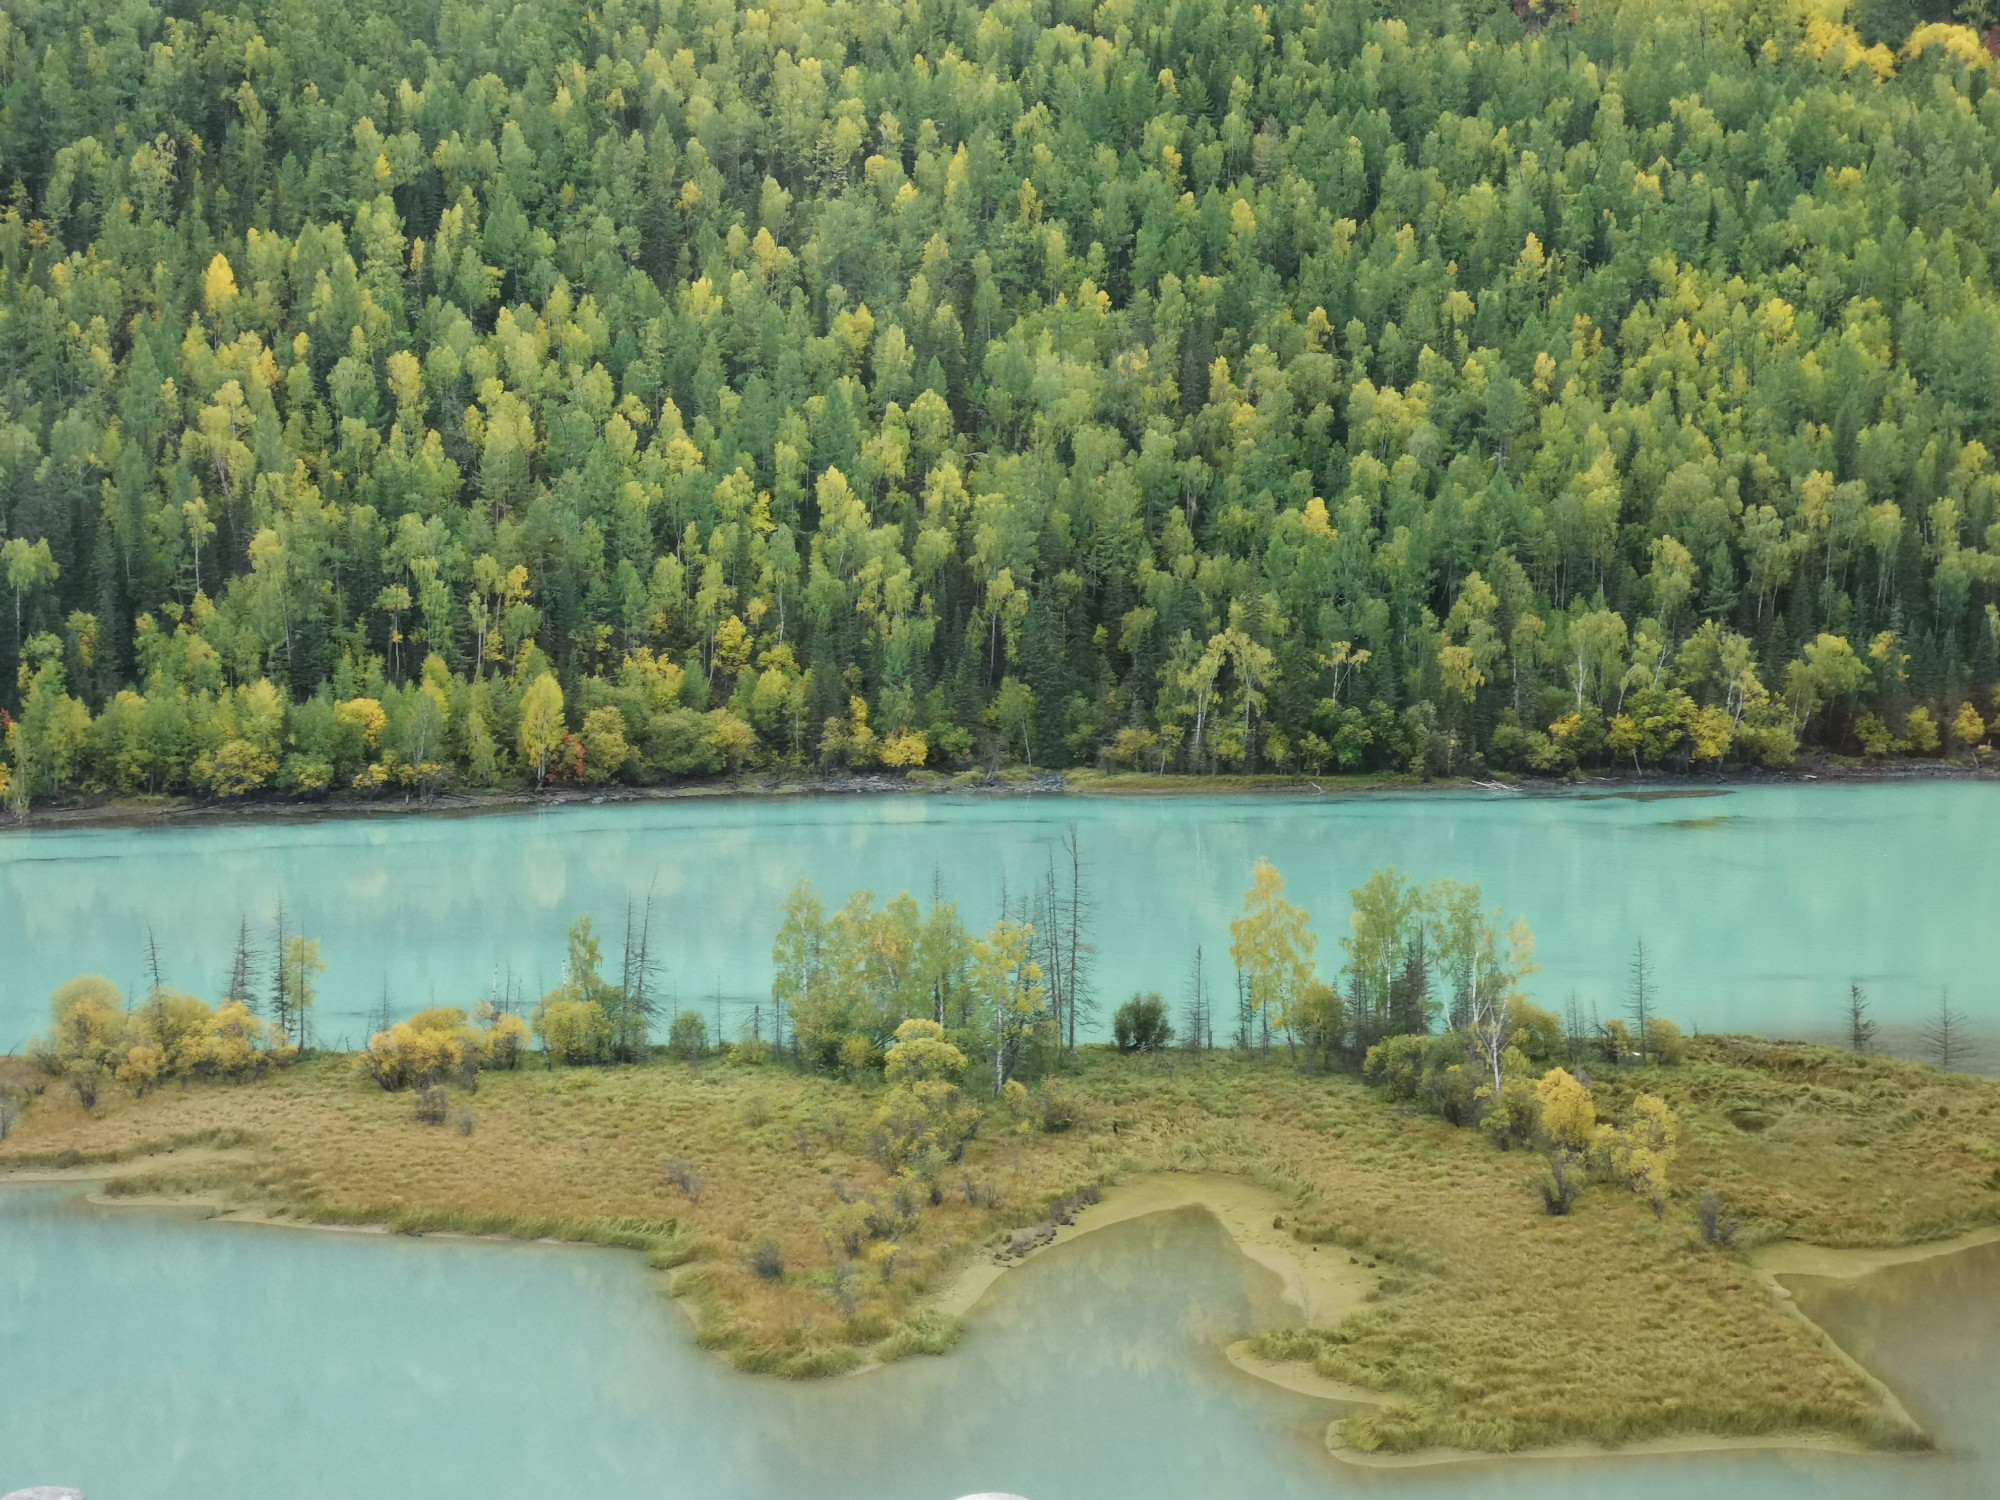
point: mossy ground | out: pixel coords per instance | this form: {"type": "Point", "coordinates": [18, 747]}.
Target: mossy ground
{"type": "Point", "coordinates": [1497, 1327]}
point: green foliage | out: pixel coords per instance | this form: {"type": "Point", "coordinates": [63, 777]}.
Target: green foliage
{"type": "Point", "coordinates": [598, 395]}
{"type": "Point", "coordinates": [687, 1037]}
{"type": "Point", "coordinates": [857, 975]}
{"type": "Point", "coordinates": [574, 1031]}
{"type": "Point", "coordinates": [1141, 1025]}
{"type": "Point", "coordinates": [1664, 1043]}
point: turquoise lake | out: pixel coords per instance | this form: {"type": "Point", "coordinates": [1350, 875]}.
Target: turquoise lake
{"type": "Point", "coordinates": [1759, 905]}
{"type": "Point", "coordinates": [151, 1357]}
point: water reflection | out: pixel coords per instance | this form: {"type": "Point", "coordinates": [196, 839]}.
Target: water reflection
{"type": "Point", "coordinates": [1759, 905]}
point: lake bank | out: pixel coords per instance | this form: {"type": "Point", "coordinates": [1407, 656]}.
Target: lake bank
{"type": "Point", "coordinates": [1418, 1247]}
{"type": "Point", "coordinates": [176, 812]}
{"type": "Point", "coordinates": [1320, 1289]}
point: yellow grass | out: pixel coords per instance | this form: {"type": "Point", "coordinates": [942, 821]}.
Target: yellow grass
{"type": "Point", "coordinates": [1495, 1326]}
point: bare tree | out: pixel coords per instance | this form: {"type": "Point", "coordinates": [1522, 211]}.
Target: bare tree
{"type": "Point", "coordinates": [157, 982]}
{"type": "Point", "coordinates": [636, 1007]}
{"type": "Point", "coordinates": [1947, 1039]}
{"type": "Point", "coordinates": [1861, 1027]}
{"type": "Point", "coordinates": [1076, 969]}
{"type": "Point", "coordinates": [1578, 1028]}
{"type": "Point", "coordinates": [1199, 1032]}
{"type": "Point", "coordinates": [1640, 998]}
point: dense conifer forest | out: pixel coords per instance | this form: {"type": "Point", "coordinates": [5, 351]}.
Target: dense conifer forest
{"type": "Point", "coordinates": [412, 392]}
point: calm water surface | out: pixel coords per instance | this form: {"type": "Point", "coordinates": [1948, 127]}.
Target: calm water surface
{"type": "Point", "coordinates": [1758, 905]}
{"type": "Point", "coordinates": [152, 1358]}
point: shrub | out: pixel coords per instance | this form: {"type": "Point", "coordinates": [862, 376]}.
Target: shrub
{"type": "Point", "coordinates": [141, 1067]}
{"type": "Point", "coordinates": [920, 1053]}
{"type": "Point", "coordinates": [505, 1040]}
{"type": "Point", "coordinates": [1396, 1064]}
{"type": "Point", "coordinates": [1565, 1114]}
{"type": "Point", "coordinates": [231, 1043]}
{"type": "Point", "coordinates": [1560, 1182]}
{"type": "Point", "coordinates": [169, 1018]}
{"type": "Point", "coordinates": [410, 1053]}
{"type": "Point", "coordinates": [768, 1262]}
{"type": "Point", "coordinates": [575, 1031]}
{"type": "Point", "coordinates": [86, 1076]}
{"type": "Point", "coordinates": [1641, 1153]}
{"type": "Point", "coordinates": [1451, 1092]}
{"type": "Point", "coordinates": [431, 1105]}
{"type": "Point", "coordinates": [858, 1054]}
{"type": "Point", "coordinates": [928, 1121]}
{"type": "Point", "coordinates": [1538, 1033]}
{"type": "Point", "coordinates": [1614, 1041]}
{"type": "Point", "coordinates": [1664, 1042]}
{"type": "Point", "coordinates": [1717, 1228]}
{"type": "Point", "coordinates": [679, 1173]}
{"type": "Point", "coordinates": [1512, 1118]}
{"type": "Point", "coordinates": [687, 1038]}
{"type": "Point", "coordinates": [1141, 1024]}
{"type": "Point", "coordinates": [1059, 1107]}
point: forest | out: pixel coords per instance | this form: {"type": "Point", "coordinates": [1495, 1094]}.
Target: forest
{"type": "Point", "coordinates": [412, 393]}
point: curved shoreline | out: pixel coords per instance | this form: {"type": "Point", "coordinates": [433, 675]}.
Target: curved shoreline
{"type": "Point", "coordinates": [1321, 1284]}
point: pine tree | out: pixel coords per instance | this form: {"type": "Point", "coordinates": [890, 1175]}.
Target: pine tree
{"type": "Point", "coordinates": [1860, 1027]}
{"type": "Point", "coordinates": [1947, 1037]}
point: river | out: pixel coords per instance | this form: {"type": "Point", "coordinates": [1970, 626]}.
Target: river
{"type": "Point", "coordinates": [1758, 905]}
{"type": "Point", "coordinates": [150, 1357]}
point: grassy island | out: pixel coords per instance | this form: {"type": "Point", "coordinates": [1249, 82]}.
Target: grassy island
{"type": "Point", "coordinates": [1494, 1325]}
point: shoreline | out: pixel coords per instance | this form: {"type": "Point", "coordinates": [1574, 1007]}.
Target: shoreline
{"type": "Point", "coordinates": [182, 812]}
{"type": "Point", "coordinates": [1321, 1284]}
{"type": "Point", "coordinates": [1686, 1445]}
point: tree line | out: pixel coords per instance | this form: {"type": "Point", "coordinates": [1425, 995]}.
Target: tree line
{"type": "Point", "coordinates": [401, 393]}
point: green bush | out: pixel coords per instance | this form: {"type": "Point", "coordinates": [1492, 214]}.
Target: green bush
{"type": "Point", "coordinates": [687, 1038]}
{"type": "Point", "coordinates": [1141, 1024]}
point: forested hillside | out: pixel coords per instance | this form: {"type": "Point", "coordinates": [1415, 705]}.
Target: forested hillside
{"type": "Point", "coordinates": [425, 391]}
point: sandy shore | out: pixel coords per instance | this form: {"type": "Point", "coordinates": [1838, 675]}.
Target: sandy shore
{"type": "Point", "coordinates": [1795, 1258]}
{"type": "Point", "coordinates": [1324, 1283]}
{"type": "Point", "coordinates": [1694, 1442]}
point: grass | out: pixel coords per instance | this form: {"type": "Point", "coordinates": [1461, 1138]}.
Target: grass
{"type": "Point", "coordinates": [1497, 1327]}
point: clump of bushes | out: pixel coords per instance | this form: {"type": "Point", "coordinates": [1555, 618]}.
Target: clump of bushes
{"type": "Point", "coordinates": [95, 1041]}
{"type": "Point", "coordinates": [440, 1043]}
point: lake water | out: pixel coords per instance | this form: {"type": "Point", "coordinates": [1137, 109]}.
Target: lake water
{"type": "Point", "coordinates": [149, 1357]}
{"type": "Point", "coordinates": [1758, 905]}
